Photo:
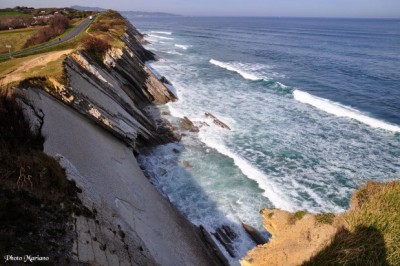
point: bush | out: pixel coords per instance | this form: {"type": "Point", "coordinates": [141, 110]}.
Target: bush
{"type": "Point", "coordinates": [59, 23]}
{"type": "Point", "coordinates": [95, 45]}
{"type": "Point", "coordinates": [325, 218]}
{"type": "Point", "coordinates": [100, 27]}
{"type": "Point", "coordinates": [299, 215]}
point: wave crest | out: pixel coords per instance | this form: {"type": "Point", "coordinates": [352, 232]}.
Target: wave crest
{"type": "Point", "coordinates": [341, 110]}
{"type": "Point", "coordinates": [160, 37]}
{"type": "Point", "coordinates": [238, 68]}
{"type": "Point", "coordinates": [162, 32]}
{"type": "Point", "coordinates": [184, 47]}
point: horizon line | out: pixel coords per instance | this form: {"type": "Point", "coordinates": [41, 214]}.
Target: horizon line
{"type": "Point", "coordinates": [238, 16]}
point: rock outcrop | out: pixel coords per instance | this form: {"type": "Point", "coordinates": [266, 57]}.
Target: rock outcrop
{"type": "Point", "coordinates": [295, 238]}
{"type": "Point", "coordinates": [217, 121]}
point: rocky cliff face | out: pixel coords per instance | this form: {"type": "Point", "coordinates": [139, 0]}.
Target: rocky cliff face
{"type": "Point", "coordinates": [93, 124]}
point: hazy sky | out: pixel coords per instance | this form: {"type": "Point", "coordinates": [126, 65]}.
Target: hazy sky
{"type": "Point", "coordinates": [299, 8]}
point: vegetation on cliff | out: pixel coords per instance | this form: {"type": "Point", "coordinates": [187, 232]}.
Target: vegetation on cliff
{"type": "Point", "coordinates": [367, 234]}
{"type": "Point", "coordinates": [36, 199]}
{"type": "Point", "coordinates": [371, 235]}
{"type": "Point", "coordinates": [105, 32]}
{"type": "Point", "coordinates": [109, 26]}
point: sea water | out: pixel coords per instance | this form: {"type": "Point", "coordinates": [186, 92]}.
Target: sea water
{"type": "Point", "coordinates": [313, 104]}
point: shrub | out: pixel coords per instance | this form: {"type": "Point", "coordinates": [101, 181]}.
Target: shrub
{"type": "Point", "coordinates": [95, 45]}
{"type": "Point", "coordinates": [299, 214]}
{"type": "Point", "coordinates": [100, 27]}
{"type": "Point", "coordinates": [59, 23]}
{"type": "Point", "coordinates": [325, 218]}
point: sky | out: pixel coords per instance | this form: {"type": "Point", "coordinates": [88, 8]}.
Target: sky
{"type": "Point", "coordinates": [284, 8]}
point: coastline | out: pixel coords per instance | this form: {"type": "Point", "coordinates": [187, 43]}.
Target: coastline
{"type": "Point", "coordinates": [94, 125]}
{"type": "Point", "coordinates": [153, 184]}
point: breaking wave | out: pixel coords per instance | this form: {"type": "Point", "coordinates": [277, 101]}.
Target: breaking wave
{"type": "Point", "coordinates": [342, 110]}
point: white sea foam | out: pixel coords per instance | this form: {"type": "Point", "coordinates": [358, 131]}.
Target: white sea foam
{"type": "Point", "coordinates": [272, 192]}
{"type": "Point", "coordinates": [160, 37]}
{"type": "Point", "coordinates": [238, 68]}
{"type": "Point", "coordinates": [162, 32]}
{"type": "Point", "coordinates": [173, 52]}
{"type": "Point", "coordinates": [184, 47]}
{"type": "Point", "coordinates": [342, 111]}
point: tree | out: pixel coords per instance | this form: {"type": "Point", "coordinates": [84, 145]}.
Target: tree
{"type": "Point", "coordinates": [94, 44]}
{"type": "Point", "coordinates": [59, 23]}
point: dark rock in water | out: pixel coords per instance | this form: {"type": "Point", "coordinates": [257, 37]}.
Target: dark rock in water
{"type": "Point", "coordinates": [254, 234]}
{"type": "Point", "coordinates": [186, 164]}
{"type": "Point", "coordinates": [229, 232]}
{"type": "Point", "coordinates": [211, 245]}
{"type": "Point", "coordinates": [161, 172]}
{"type": "Point", "coordinates": [204, 124]}
{"type": "Point", "coordinates": [165, 113]}
{"type": "Point", "coordinates": [217, 121]}
{"type": "Point", "coordinates": [188, 125]}
{"type": "Point", "coordinates": [175, 150]}
{"type": "Point", "coordinates": [165, 80]}
{"type": "Point", "coordinates": [226, 236]}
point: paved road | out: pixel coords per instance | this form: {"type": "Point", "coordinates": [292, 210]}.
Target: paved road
{"type": "Point", "coordinates": [72, 34]}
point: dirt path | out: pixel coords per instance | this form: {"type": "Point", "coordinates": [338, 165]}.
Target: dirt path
{"type": "Point", "coordinates": [36, 61]}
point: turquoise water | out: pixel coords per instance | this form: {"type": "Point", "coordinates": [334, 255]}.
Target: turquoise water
{"type": "Point", "coordinates": [313, 106]}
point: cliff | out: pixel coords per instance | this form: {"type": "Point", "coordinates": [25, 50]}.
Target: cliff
{"type": "Point", "coordinates": [93, 121]}
{"type": "Point", "coordinates": [367, 234]}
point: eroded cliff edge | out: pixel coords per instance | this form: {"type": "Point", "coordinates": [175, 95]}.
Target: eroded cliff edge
{"type": "Point", "coordinates": [367, 234]}
{"type": "Point", "coordinates": [93, 122]}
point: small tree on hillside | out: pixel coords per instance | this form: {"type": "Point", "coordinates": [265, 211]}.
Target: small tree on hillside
{"type": "Point", "coordinates": [59, 23]}
{"type": "Point", "coordinates": [94, 44]}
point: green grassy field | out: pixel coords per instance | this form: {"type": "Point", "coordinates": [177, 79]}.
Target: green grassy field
{"type": "Point", "coordinates": [16, 38]}
{"type": "Point", "coordinates": [14, 13]}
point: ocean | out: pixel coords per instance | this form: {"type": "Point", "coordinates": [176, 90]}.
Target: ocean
{"type": "Point", "coordinates": [313, 104]}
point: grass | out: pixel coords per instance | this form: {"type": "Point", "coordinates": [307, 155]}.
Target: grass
{"type": "Point", "coordinates": [14, 13]}
{"type": "Point", "coordinates": [69, 29]}
{"type": "Point", "coordinates": [379, 208]}
{"type": "Point", "coordinates": [372, 232]}
{"type": "Point", "coordinates": [53, 69]}
{"type": "Point", "coordinates": [16, 39]}
{"type": "Point", "coordinates": [116, 24]}
{"type": "Point", "coordinates": [325, 218]}
{"type": "Point", "coordinates": [19, 37]}
{"type": "Point", "coordinates": [299, 215]}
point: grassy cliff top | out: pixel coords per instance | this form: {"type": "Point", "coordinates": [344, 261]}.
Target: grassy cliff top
{"type": "Point", "coordinates": [367, 234]}
{"type": "Point", "coordinates": [106, 30]}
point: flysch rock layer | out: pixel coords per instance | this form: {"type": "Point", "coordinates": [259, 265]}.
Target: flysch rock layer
{"type": "Point", "coordinates": [92, 125]}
